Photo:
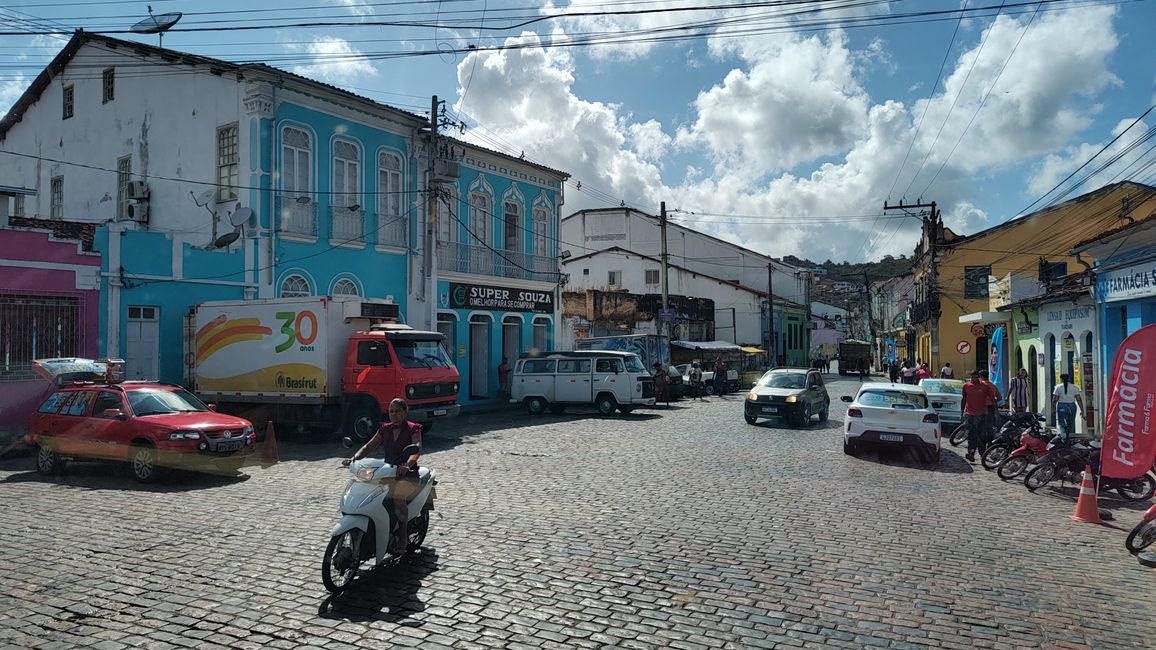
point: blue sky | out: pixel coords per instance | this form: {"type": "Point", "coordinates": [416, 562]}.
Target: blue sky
{"type": "Point", "coordinates": [786, 133]}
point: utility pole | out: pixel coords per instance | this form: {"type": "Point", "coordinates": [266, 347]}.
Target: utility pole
{"type": "Point", "coordinates": [871, 316]}
{"type": "Point", "coordinates": [773, 347]}
{"type": "Point", "coordinates": [931, 278]}
{"type": "Point", "coordinates": [664, 318]}
{"type": "Point", "coordinates": [430, 248]}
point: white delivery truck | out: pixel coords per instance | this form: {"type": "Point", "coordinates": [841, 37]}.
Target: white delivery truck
{"type": "Point", "coordinates": [319, 362]}
{"type": "Point", "coordinates": [606, 379]}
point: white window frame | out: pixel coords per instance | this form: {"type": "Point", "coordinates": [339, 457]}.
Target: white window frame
{"type": "Point", "coordinates": [294, 185]}
{"type": "Point", "coordinates": [18, 205]}
{"type": "Point", "coordinates": [480, 214]}
{"type": "Point", "coordinates": [56, 197]}
{"type": "Point", "coordinates": [390, 181]}
{"type": "Point", "coordinates": [228, 162]}
{"type": "Point", "coordinates": [345, 287]}
{"type": "Point", "coordinates": [541, 234]}
{"type": "Point", "coordinates": [68, 102]}
{"type": "Point", "coordinates": [657, 276]}
{"type": "Point", "coordinates": [295, 286]}
{"type": "Point", "coordinates": [614, 278]}
{"type": "Point", "coordinates": [448, 216]}
{"type": "Point", "coordinates": [123, 176]}
{"type": "Point", "coordinates": [512, 211]}
{"type": "Point", "coordinates": [347, 191]}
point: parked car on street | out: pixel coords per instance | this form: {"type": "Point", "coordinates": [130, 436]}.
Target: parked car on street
{"type": "Point", "coordinates": [605, 379]}
{"type": "Point", "coordinates": [945, 396]}
{"type": "Point", "coordinates": [795, 394]}
{"type": "Point", "coordinates": [707, 377]}
{"type": "Point", "coordinates": [891, 415]}
{"type": "Point", "coordinates": [148, 425]}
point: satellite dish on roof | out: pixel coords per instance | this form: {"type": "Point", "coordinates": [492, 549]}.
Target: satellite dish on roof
{"type": "Point", "coordinates": [203, 199]}
{"type": "Point", "coordinates": [226, 239]}
{"type": "Point", "coordinates": [241, 216]}
{"type": "Point", "coordinates": [157, 24]}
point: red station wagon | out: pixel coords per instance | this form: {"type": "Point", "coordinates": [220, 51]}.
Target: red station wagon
{"type": "Point", "coordinates": [149, 425]}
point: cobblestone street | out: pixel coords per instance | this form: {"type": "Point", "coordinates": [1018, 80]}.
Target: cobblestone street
{"type": "Point", "coordinates": [680, 527]}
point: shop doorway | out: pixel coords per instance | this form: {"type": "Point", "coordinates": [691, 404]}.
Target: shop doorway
{"type": "Point", "coordinates": [511, 338]}
{"type": "Point", "coordinates": [1050, 374]}
{"type": "Point", "coordinates": [480, 356]}
{"type": "Point", "coordinates": [1034, 374]}
{"type": "Point", "coordinates": [981, 354]}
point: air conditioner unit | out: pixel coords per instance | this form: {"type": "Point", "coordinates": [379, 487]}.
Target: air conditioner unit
{"type": "Point", "coordinates": [138, 190]}
{"type": "Point", "coordinates": [446, 170]}
{"type": "Point", "coordinates": [137, 211]}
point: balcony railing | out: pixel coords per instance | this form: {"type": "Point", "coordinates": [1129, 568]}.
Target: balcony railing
{"type": "Point", "coordinates": [346, 224]}
{"type": "Point", "coordinates": [297, 217]}
{"type": "Point", "coordinates": [923, 311]}
{"type": "Point", "coordinates": [392, 230]}
{"type": "Point", "coordinates": [479, 260]}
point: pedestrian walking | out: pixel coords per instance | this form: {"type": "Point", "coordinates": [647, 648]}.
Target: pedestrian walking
{"type": "Point", "coordinates": [1017, 392]}
{"type": "Point", "coordinates": [1065, 398]}
{"type": "Point", "coordinates": [503, 378]}
{"type": "Point", "coordinates": [974, 407]}
{"type": "Point", "coordinates": [946, 372]}
{"type": "Point", "coordinates": [907, 372]}
{"type": "Point", "coordinates": [864, 366]}
{"type": "Point", "coordinates": [921, 373]}
{"type": "Point", "coordinates": [696, 381]}
{"type": "Point", "coordinates": [994, 398]}
{"type": "Point", "coordinates": [661, 385]}
{"type": "Point", "coordinates": [893, 371]}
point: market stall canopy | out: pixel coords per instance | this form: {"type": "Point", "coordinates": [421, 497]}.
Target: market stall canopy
{"type": "Point", "coordinates": [713, 346]}
{"type": "Point", "coordinates": [752, 350]}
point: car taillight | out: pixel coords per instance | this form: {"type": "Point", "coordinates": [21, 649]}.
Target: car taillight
{"type": "Point", "coordinates": [931, 417]}
{"type": "Point", "coordinates": [854, 413]}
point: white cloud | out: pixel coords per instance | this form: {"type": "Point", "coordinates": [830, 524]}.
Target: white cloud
{"type": "Point", "coordinates": [357, 7]}
{"type": "Point", "coordinates": [334, 61]}
{"type": "Point", "coordinates": [11, 90]}
{"type": "Point", "coordinates": [798, 102]}
{"type": "Point", "coordinates": [1056, 167]}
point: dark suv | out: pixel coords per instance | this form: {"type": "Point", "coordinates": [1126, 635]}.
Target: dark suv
{"type": "Point", "coordinates": [795, 394]}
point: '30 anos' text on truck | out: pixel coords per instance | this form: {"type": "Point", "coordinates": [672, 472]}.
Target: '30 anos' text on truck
{"type": "Point", "coordinates": [320, 362]}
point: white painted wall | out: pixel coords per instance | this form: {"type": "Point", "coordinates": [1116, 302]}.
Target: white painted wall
{"type": "Point", "coordinates": [592, 273]}
{"type": "Point", "coordinates": [592, 230]}
{"type": "Point", "coordinates": [164, 116]}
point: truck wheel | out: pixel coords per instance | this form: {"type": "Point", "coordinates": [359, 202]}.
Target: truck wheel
{"type": "Point", "coordinates": [363, 421]}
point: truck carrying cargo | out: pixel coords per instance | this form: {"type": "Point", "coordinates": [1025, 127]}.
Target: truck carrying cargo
{"type": "Point", "coordinates": [852, 354]}
{"type": "Point", "coordinates": [319, 362]}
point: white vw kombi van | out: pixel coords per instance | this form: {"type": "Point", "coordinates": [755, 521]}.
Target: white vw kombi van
{"type": "Point", "coordinates": [606, 379]}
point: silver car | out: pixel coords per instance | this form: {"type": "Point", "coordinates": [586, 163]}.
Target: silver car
{"type": "Point", "coordinates": [945, 396]}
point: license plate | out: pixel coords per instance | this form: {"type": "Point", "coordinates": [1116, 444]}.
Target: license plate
{"type": "Point", "coordinates": [440, 412]}
{"type": "Point", "coordinates": [229, 446]}
{"type": "Point", "coordinates": [770, 409]}
{"type": "Point", "coordinates": [890, 437]}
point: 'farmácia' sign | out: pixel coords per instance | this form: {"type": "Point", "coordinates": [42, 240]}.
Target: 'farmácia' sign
{"type": "Point", "coordinates": [1123, 284]}
{"type": "Point", "coordinates": [477, 296]}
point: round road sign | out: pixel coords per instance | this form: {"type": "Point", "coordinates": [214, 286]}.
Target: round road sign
{"type": "Point", "coordinates": [963, 347]}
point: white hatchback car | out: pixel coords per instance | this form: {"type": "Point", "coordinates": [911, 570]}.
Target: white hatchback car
{"type": "Point", "coordinates": [891, 415]}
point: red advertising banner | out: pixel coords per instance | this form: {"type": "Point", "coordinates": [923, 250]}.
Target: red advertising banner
{"type": "Point", "coordinates": [1129, 440]}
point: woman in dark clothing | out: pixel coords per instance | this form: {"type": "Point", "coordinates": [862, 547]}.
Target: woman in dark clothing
{"type": "Point", "coordinates": [393, 437]}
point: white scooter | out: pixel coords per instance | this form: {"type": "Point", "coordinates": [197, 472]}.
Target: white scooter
{"type": "Point", "coordinates": [367, 524]}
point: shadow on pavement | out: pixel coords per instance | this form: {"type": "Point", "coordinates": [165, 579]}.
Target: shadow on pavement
{"type": "Point", "coordinates": [388, 593]}
{"type": "Point", "coordinates": [949, 461]}
{"type": "Point", "coordinates": [103, 475]}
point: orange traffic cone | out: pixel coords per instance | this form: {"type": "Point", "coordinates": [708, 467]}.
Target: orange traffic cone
{"type": "Point", "coordinates": [1086, 509]}
{"type": "Point", "coordinates": [269, 455]}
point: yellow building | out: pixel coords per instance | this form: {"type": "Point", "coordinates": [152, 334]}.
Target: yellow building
{"type": "Point", "coordinates": [952, 272]}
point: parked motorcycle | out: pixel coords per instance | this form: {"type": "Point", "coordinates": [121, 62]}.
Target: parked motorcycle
{"type": "Point", "coordinates": [1066, 460]}
{"type": "Point", "coordinates": [959, 436]}
{"type": "Point", "coordinates": [367, 525]}
{"type": "Point", "coordinates": [1143, 534]}
{"type": "Point", "coordinates": [1033, 447]}
{"type": "Point", "coordinates": [1009, 438]}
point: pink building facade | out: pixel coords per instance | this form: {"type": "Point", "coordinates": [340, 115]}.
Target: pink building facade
{"type": "Point", "coordinates": [49, 307]}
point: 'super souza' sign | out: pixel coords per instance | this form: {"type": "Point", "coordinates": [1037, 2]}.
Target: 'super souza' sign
{"type": "Point", "coordinates": [477, 296]}
{"type": "Point", "coordinates": [1129, 442]}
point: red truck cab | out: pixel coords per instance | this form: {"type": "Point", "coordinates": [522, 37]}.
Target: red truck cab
{"type": "Point", "coordinates": [392, 360]}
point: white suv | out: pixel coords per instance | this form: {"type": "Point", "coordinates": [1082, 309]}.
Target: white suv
{"type": "Point", "coordinates": [891, 415]}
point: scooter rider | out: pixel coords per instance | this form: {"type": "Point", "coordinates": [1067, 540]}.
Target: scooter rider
{"type": "Point", "coordinates": [393, 437]}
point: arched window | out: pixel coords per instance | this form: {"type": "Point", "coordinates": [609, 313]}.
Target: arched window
{"type": "Point", "coordinates": [345, 287]}
{"type": "Point", "coordinates": [480, 214]}
{"type": "Point", "coordinates": [390, 221]}
{"type": "Point", "coordinates": [541, 221]}
{"type": "Point", "coordinates": [346, 174]}
{"type": "Point", "coordinates": [296, 162]}
{"type": "Point", "coordinates": [512, 216]}
{"type": "Point", "coordinates": [295, 286]}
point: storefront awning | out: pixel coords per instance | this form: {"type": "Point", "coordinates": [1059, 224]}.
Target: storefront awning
{"type": "Point", "coordinates": [986, 317]}
{"type": "Point", "coordinates": [752, 350]}
{"type": "Point", "coordinates": [716, 346]}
